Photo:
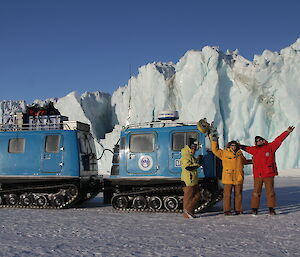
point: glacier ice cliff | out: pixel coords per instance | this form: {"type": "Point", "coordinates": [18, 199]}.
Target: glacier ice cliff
{"type": "Point", "coordinates": [244, 99]}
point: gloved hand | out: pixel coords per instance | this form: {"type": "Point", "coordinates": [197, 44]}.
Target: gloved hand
{"type": "Point", "coordinates": [200, 159]}
{"type": "Point", "coordinates": [213, 133]}
{"type": "Point", "coordinates": [243, 147]}
{"type": "Point", "coordinates": [290, 129]}
{"type": "Point", "coordinates": [203, 125]}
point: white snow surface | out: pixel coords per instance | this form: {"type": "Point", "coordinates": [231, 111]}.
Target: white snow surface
{"type": "Point", "coordinates": [244, 99]}
{"type": "Point", "coordinates": [97, 230]}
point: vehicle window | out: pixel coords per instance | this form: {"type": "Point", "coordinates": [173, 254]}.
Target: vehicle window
{"type": "Point", "coordinates": [122, 143]}
{"type": "Point", "coordinates": [191, 136]}
{"type": "Point", "coordinates": [142, 143]}
{"type": "Point", "coordinates": [52, 143]}
{"type": "Point", "coordinates": [180, 139]}
{"type": "Point", "coordinates": [85, 144]}
{"type": "Point", "coordinates": [82, 145]}
{"type": "Point", "coordinates": [16, 145]}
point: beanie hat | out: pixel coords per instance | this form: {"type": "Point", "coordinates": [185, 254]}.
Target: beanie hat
{"type": "Point", "coordinates": [192, 142]}
{"type": "Point", "coordinates": [233, 142]}
{"type": "Point", "coordinates": [259, 137]}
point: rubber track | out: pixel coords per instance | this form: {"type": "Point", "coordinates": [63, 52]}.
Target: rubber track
{"type": "Point", "coordinates": [211, 202]}
{"type": "Point", "coordinates": [173, 189]}
{"type": "Point", "coordinates": [64, 206]}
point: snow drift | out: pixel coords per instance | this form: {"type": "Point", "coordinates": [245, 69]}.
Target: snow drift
{"type": "Point", "coordinates": [243, 98]}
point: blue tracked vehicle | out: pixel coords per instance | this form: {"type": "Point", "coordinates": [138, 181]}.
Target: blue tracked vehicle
{"type": "Point", "coordinates": [146, 171]}
{"type": "Point", "coordinates": [46, 167]}
{"type": "Point", "coordinates": [55, 166]}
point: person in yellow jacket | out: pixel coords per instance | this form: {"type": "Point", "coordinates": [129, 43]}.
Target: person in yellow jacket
{"type": "Point", "coordinates": [189, 178]}
{"type": "Point", "coordinates": [233, 162]}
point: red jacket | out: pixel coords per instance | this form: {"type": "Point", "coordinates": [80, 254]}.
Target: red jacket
{"type": "Point", "coordinates": [264, 164]}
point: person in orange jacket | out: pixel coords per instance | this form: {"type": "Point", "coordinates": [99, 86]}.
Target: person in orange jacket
{"type": "Point", "coordinates": [265, 169]}
{"type": "Point", "coordinates": [233, 162]}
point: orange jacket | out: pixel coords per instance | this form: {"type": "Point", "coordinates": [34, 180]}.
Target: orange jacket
{"type": "Point", "coordinates": [233, 164]}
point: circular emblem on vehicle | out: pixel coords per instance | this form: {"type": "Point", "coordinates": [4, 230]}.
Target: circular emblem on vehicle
{"type": "Point", "coordinates": [267, 154]}
{"type": "Point", "coordinates": [145, 162]}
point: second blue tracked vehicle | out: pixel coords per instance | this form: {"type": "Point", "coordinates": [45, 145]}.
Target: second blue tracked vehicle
{"type": "Point", "coordinates": [146, 171]}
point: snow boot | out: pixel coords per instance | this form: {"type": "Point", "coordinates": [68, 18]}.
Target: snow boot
{"type": "Point", "coordinates": [238, 212]}
{"type": "Point", "coordinates": [188, 215]}
{"type": "Point", "coordinates": [272, 211]}
{"type": "Point", "coordinates": [254, 211]}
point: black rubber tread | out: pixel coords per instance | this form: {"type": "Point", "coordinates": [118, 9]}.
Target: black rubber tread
{"type": "Point", "coordinates": [173, 191]}
{"type": "Point", "coordinates": [216, 198]}
{"type": "Point", "coordinates": [28, 190]}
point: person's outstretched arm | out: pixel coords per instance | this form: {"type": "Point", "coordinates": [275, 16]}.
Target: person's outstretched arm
{"type": "Point", "coordinates": [278, 140]}
{"type": "Point", "coordinates": [248, 149]}
{"type": "Point", "coordinates": [215, 147]}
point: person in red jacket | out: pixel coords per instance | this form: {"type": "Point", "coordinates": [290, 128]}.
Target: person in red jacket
{"type": "Point", "coordinates": [265, 169]}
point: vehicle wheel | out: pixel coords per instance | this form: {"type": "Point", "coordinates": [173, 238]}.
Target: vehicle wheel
{"type": "Point", "coordinates": [72, 192]}
{"type": "Point", "coordinates": [155, 203]}
{"type": "Point", "coordinates": [120, 202]}
{"type": "Point", "coordinates": [171, 203]}
{"type": "Point", "coordinates": [57, 201]}
{"type": "Point", "coordinates": [13, 199]}
{"type": "Point", "coordinates": [205, 194]}
{"type": "Point", "coordinates": [41, 201]}
{"type": "Point", "coordinates": [26, 200]}
{"type": "Point", "coordinates": [139, 203]}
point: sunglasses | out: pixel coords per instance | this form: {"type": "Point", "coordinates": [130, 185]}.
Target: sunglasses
{"type": "Point", "coordinates": [258, 140]}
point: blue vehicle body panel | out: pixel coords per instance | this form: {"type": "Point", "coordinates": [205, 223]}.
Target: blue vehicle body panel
{"type": "Point", "coordinates": [53, 162]}
{"type": "Point", "coordinates": [162, 160]}
{"type": "Point", "coordinates": [35, 160]}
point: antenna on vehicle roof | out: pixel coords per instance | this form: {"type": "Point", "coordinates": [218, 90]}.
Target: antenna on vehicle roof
{"type": "Point", "coordinates": [153, 114]}
{"type": "Point", "coordinates": [129, 99]}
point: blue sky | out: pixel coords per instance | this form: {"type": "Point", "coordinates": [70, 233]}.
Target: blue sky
{"type": "Point", "coordinates": [49, 48]}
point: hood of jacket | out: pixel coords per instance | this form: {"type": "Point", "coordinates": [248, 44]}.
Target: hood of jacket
{"type": "Point", "coordinates": [259, 137]}
{"type": "Point", "coordinates": [186, 151]}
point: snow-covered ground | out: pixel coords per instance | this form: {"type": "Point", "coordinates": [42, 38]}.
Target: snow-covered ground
{"type": "Point", "coordinates": [244, 98]}
{"type": "Point", "coordinates": [98, 230]}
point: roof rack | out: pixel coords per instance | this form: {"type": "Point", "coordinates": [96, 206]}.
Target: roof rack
{"type": "Point", "coordinates": [160, 124]}
{"type": "Point", "coordinates": [65, 125]}
{"type": "Point", "coordinates": [28, 127]}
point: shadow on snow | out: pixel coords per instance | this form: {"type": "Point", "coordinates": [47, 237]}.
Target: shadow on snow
{"type": "Point", "coordinates": [288, 201]}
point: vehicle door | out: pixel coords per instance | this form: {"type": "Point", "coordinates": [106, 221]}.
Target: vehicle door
{"type": "Point", "coordinates": [141, 156]}
{"type": "Point", "coordinates": [178, 141]}
{"type": "Point", "coordinates": [52, 154]}
{"type": "Point", "coordinates": [88, 161]}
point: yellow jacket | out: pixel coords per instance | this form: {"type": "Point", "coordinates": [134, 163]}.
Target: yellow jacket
{"type": "Point", "coordinates": [187, 160]}
{"type": "Point", "coordinates": [232, 162]}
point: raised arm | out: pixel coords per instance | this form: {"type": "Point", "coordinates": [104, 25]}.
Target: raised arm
{"type": "Point", "coordinates": [248, 149]}
{"type": "Point", "coordinates": [278, 140]}
{"type": "Point", "coordinates": [215, 148]}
